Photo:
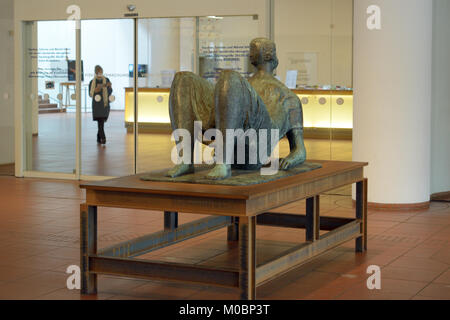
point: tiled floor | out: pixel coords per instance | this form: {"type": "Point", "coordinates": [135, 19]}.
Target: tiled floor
{"type": "Point", "coordinates": [39, 232]}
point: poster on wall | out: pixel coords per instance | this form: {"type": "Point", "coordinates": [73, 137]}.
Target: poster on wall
{"type": "Point", "coordinates": [306, 65]}
{"type": "Point", "coordinates": [71, 70]}
{"type": "Point", "coordinates": [50, 85]}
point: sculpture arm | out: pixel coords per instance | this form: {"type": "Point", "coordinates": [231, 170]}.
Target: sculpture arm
{"type": "Point", "coordinates": [298, 151]}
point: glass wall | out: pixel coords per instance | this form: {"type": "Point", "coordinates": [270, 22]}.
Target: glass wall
{"type": "Point", "coordinates": [49, 96]}
{"type": "Point", "coordinates": [314, 43]}
{"type": "Point", "coordinates": [314, 48]}
{"type": "Point", "coordinates": [202, 45]}
{"type": "Point", "coordinates": [165, 46]}
{"type": "Point", "coordinates": [223, 45]}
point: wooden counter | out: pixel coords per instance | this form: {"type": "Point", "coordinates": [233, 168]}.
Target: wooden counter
{"type": "Point", "coordinates": [296, 91]}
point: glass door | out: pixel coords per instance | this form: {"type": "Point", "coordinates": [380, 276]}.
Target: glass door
{"type": "Point", "coordinates": [49, 96]}
{"type": "Point", "coordinates": [165, 46]}
{"type": "Point", "coordinates": [107, 129]}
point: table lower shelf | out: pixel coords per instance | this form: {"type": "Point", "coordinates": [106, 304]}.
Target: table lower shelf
{"type": "Point", "coordinates": [119, 259]}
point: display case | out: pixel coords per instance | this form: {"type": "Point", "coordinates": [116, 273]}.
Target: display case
{"type": "Point", "coordinates": [325, 112]}
{"type": "Point", "coordinates": [153, 112]}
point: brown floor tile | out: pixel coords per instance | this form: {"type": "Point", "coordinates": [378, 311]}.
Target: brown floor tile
{"type": "Point", "coordinates": [162, 290]}
{"type": "Point", "coordinates": [49, 279]}
{"type": "Point", "coordinates": [419, 263]}
{"type": "Point", "coordinates": [66, 294]}
{"type": "Point", "coordinates": [413, 274]}
{"type": "Point", "coordinates": [15, 273]}
{"type": "Point", "coordinates": [444, 278]}
{"type": "Point", "coordinates": [118, 285]}
{"type": "Point", "coordinates": [21, 291]}
{"type": "Point", "coordinates": [442, 255]}
{"type": "Point", "coordinates": [436, 291]}
{"type": "Point", "coordinates": [391, 289]}
{"type": "Point", "coordinates": [422, 251]}
{"type": "Point", "coordinates": [216, 294]}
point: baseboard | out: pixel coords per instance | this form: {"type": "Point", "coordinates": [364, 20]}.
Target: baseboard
{"type": "Point", "coordinates": [396, 206]}
{"type": "Point", "coordinates": [441, 196]}
{"type": "Point", "coordinates": [7, 169]}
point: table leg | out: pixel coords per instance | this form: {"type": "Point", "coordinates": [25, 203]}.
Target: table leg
{"type": "Point", "coordinates": [313, 218]}
{"type": "Point", "coordinates": [88, 240]}
{"type": "Point", "coordinates": [247, 258]}
{"type": "Point", "coordinates": [60, 100]}
{"type": "Point", "coordinates": [67, 97]}
{"type": "Point", "coordinates": [170, 220]}
{"type": "Point", "coordinates": [361, 213]}
{"type": "Point", "coordinates": [233, 230]}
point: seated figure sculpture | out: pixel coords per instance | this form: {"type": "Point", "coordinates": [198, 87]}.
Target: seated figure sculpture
{"type": "Point", "coordinates": [261, 102]}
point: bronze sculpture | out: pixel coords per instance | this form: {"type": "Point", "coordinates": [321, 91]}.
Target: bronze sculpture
{"type": "Point", "coordinates": [261, 103]}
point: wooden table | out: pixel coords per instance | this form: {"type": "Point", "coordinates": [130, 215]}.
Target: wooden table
{"type": "Point", "coordinates": [239, 208]}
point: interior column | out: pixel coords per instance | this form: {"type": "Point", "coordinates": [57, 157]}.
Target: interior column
{"type": "Point", "coordinates": [392, 100]}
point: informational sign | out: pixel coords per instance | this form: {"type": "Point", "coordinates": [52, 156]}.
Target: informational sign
{"type": "Point", "coordinates": [232, 57]}
{"type": "Point", "coordinates": [291, 79]}
{"type": "Point", "coordinates": [306, 65]}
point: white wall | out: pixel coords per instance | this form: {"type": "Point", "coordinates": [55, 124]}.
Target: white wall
{"type": "Point", "coordinates": [187, 44]}
{"type": "Point", "coordinates": [305, 26]}
{"type": "Point", "coordinates": [440, 107]}
{"type": "Point", "coordinates": [165, 48]}
{"type": "Point", "coordinates": [6, 82]}
{"type": "Point", "coordinates": [104, 9]}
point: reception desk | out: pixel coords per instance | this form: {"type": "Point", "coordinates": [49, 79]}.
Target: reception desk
{"type": "Point", "coordinates": [327, 113]}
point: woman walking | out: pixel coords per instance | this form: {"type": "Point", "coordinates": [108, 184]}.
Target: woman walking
{"type": "Point", "coordinates": [100, 91]}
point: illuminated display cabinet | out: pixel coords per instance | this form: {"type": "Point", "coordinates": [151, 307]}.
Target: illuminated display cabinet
{"type": "Point", "coordinates": [326, 112]}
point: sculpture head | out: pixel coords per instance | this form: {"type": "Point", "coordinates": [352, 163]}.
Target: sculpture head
{"type": "Point", "coordinates": [263, 52]}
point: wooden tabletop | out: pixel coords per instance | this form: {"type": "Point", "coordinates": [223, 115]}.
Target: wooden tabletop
{"type": "Point", "coordinates": [133, 184]}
